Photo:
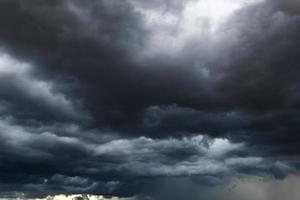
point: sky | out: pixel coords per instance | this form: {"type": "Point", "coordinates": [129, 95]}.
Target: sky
{"type": "Point", "coordinates": [150, 99]}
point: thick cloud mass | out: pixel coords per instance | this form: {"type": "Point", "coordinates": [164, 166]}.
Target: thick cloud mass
{"type": "Point", "coordinates": [114, 97]}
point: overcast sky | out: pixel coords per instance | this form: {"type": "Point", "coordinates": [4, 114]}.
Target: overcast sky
{"type": "Point", "coordinates": [150, 99]}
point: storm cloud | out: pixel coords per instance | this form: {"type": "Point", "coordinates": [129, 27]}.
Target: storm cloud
{"type": "Point", "coordinates": [112, 97]}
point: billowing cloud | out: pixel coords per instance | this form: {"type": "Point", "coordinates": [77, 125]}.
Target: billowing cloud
{"type": "Point", "coordinates": [114, 97]}
{"type": "Point", "coordinates": [26, 96]}
{"type": "Point", "coordinates": [49, 162]}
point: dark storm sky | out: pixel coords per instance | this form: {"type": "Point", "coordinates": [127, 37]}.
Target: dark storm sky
{"type": "Point", "coordinates": [117, 96]}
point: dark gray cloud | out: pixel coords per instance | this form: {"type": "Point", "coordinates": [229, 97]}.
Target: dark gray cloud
{"type": "Point", "coordinates": [41, 162]}
{"type": "Point", "coordinates": [115, 96]}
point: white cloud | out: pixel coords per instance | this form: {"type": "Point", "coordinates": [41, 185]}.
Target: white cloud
{"type": "Point", "coordinates": [201, 19]}
{"type": "Point", "coordinates": [73, 196]}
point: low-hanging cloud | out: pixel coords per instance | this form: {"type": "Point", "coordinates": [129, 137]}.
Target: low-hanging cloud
{"type": "Point", "coordinates": [116, 96]}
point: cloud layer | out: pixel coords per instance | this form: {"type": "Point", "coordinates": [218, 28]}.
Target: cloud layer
{"type": "Point", "coordinates": [115, 96]}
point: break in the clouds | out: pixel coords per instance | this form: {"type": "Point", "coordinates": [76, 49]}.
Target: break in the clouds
{"type": "Point", "coordinates": [119, 97]}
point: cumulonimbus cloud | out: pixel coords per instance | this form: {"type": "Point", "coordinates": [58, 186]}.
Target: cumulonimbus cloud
{"type": "Point", "coordinates": [115, 96]}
